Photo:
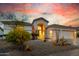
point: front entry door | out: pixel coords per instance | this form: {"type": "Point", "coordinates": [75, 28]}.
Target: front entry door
{"type": "Point", "coordinates": [41, 29]}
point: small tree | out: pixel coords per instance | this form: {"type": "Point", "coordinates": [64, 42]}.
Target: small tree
{"type": "Point", "coordinates": [18, 36]}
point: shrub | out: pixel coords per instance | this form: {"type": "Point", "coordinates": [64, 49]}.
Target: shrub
{"type": "Point", "coordinates": [62, 41]}
{"type": "Point", "coordinates": [18, 36]}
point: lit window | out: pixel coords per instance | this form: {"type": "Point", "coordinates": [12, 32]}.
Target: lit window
{"type": "Point", "coordinates": [39, 28]}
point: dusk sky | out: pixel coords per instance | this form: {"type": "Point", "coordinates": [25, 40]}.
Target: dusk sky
{"type": "Point", "coordinates": [55, 13]}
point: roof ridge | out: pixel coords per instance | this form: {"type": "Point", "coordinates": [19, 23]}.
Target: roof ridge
{"type": "Point", "coordinates": [39, 19]}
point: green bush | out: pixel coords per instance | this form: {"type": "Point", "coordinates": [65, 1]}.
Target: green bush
{"type": "Point", "coordinates": [62, 41]}
{"type": "Point", "coordinates": [18, 36]}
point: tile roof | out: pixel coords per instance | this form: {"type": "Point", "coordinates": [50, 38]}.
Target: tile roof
{"type": "Point", "coordinates": [62, 26]}
{"type": "Point", "coordinates": [16, 23]}
{"type": "Point", "coordinates": [40, 18]}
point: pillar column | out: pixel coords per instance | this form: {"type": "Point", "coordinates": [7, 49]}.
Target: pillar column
{"type": "Point", "coordinates": [57, 36]}
{"type": "Point", "coordinates": [74, 38]}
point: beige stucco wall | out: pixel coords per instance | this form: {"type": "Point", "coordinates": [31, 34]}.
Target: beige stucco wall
{"type": "Point", "coordinates": [8, 28]}
{"type": "Point", "coordinates": [28, 28]}
{"type": "Point", "coordinates": [48, 34]}
{"type": "Point", "coordinates": [69, 34]}
{"type": "Point", "coordinates": [35, 24]}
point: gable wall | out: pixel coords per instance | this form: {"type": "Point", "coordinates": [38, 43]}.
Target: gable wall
{"type": "Point", "coordinates": [35, 24]}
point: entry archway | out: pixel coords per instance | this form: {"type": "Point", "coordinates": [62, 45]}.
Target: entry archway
{"type": "Point", "coordinates": [41, 31]}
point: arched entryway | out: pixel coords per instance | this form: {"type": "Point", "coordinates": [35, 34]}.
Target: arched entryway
{"type": "Point", "coordinates": [41, 31]}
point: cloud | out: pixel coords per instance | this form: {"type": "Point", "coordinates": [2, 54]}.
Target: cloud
{"type": "Point", "coordinates": [63, 10]}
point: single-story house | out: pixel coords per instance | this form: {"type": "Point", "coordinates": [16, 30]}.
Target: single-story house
{"type": "Point", "coordinates": [9, 25]}
{"type": "Point", "coordinates": [40, 25]}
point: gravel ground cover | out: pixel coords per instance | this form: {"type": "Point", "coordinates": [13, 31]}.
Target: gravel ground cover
{"type": "Point", "coordinates": [38, 48]}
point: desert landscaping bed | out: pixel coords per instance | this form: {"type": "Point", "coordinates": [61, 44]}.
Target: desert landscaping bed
{"type": "Point", "coordinates": [38, 48]}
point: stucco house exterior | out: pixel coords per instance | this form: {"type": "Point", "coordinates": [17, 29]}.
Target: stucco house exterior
{"type": "Point", "coordinates": [40, 25]}
{"type": "Point", "coordinates": [9, 25]}
{"type": "Point", "coordinates": [51, 32]}
{"type": "Point", "coordinates": [55, 32]}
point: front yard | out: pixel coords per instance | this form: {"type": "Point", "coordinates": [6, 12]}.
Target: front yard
{"type": "Point", "coordinates": [38, 48]}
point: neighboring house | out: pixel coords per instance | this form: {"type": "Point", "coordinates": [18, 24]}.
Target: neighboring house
{"type": "Point", "coordinates": [9, 25]}
{"type": "Point", "coordinates": [40, 25]}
